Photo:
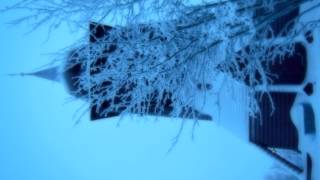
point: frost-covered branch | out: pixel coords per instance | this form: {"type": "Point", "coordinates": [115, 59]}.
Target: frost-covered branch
{"type": "Point", "coordinates": [158, 53]}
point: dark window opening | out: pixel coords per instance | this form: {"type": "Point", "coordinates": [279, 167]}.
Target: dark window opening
{"type": "Point", "coordinates": [309, 119]}
{"type": "Point", "coordinates": [308, 89]}
{"type": "Point", "coordinates": [204, 86]}
{"type": "Point", "coordinates": [274, 129]}
{"type": "Point", "coordinates": [309, 37]}
{"type": "Point", "coordinates": [309, 167]}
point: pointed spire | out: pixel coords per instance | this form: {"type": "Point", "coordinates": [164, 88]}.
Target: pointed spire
{"type": "Point", "coordinates": [49, 74]}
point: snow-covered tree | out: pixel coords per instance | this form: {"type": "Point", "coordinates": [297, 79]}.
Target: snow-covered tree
{"type": "Point", "coordinates": [159, 53]}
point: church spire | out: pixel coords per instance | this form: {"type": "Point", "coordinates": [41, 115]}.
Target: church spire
{"type": "Point", "coordinates": [49, 74]}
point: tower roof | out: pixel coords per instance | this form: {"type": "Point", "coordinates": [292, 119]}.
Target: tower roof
{"type": "Point", "coordinates": [49, 74]}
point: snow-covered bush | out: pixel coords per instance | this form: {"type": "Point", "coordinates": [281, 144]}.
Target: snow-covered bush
{"type": "Point", "coordinates": [159, 52]}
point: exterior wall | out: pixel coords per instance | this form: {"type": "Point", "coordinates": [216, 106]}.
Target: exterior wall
{"type": "Point", "coordinates": [310, 142]}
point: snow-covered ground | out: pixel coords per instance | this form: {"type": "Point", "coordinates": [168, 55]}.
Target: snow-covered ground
{"type": "Point", "coordinates": [39, 141]}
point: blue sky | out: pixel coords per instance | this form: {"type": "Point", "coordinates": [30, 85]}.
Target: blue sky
{"type": "Point", "coordinates": [38, 139]}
